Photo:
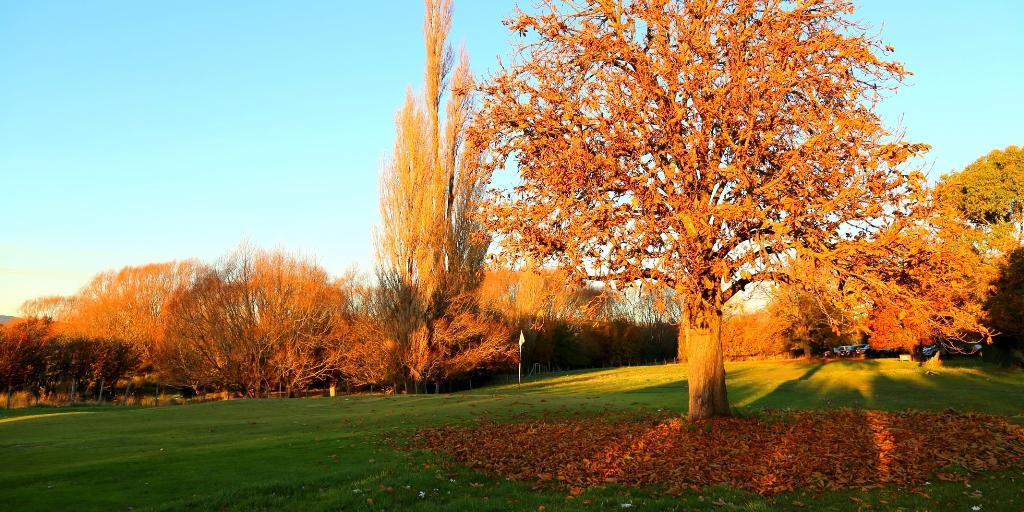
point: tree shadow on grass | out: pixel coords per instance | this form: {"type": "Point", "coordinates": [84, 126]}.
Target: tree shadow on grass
{"type": "Point", "coordinates": [807, 384]}
{"type": "Point", "coordinates": [745, 393]}
{"type": "Point", "coordinates": [843, 384]}
{"type": "Point", "coordinates": [745, 384]}
{"type": "Point", "coordinates": [873, 384]}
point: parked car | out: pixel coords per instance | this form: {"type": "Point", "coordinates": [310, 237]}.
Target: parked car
{"type": "Point", "coordinates": [954, 348]}
{"type": "Point", "coordinates": [844, 351]}
{"type": "Point", "coordinates": [861, 349]}
{"type": "Point", "coordinates": [931, 350]}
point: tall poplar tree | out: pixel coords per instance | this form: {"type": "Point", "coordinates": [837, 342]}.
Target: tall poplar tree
{"type": "Point", "coordinates": [430, 248]}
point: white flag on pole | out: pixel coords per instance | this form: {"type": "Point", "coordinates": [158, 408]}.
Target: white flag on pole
{"type": "Point", "coordinates": [522, 339]}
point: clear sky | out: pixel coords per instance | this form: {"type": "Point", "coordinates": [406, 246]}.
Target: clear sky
{"type": "Point", "coordinates": [133, 132]}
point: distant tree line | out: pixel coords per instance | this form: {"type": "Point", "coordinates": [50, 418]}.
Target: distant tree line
{"type": "Point", "coordinates": [967, 287]}
{"type": "Point", "coordinates": [262, 322]}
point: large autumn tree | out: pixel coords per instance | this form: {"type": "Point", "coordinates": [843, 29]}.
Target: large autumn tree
{"type": "Point", "coordinates": [697, 145]}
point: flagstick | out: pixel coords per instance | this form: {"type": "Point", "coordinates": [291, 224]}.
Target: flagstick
{"type": "Point", "coordinates": [522, 339]}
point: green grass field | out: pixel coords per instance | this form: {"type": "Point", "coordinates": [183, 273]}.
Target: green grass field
{"type": "Point", "coordinates": [332, 454]}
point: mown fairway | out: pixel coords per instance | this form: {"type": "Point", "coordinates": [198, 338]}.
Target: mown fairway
{"type": "Point", "coordinates": [332, 454]}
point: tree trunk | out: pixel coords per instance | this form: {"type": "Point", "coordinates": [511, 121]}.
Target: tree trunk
{"type": "Point", "coordinates": [102, 382]}
{"type": "Point", "coordinates": [127, 391]}
{"type": "Point", "coordinates": [9, 393]}
{"type": "Point", "coordinates": [682, 337]}
{"type": "Point", "coordinates": [705, 365]}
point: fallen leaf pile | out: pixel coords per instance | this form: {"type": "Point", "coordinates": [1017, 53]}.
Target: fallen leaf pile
{"type": "Point", "coordinates": [772, 453]}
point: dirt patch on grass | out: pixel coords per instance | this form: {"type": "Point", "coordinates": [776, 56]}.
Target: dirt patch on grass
{"type": "Point", "coordinates": [774, 452]}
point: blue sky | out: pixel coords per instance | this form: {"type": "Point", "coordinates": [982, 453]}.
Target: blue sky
{"type": "Point", "coordinates": [133, 132]}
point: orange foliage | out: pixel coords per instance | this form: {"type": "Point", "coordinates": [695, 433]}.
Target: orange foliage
{"type": "Point", "coordinates": [22, 346]}
{"type": "Point", "coordinates": [257, 318]}
{"type": "Point", "coordinates": [754, 335]}
{"type": "Point", "coordinates": [528, 299]}
{"type": "Point", "coordinates": [920, 279]}
{"type": "Point", "coordinates": [898, 329]}
{"type": "Point", "coordinates": [126, 305]}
